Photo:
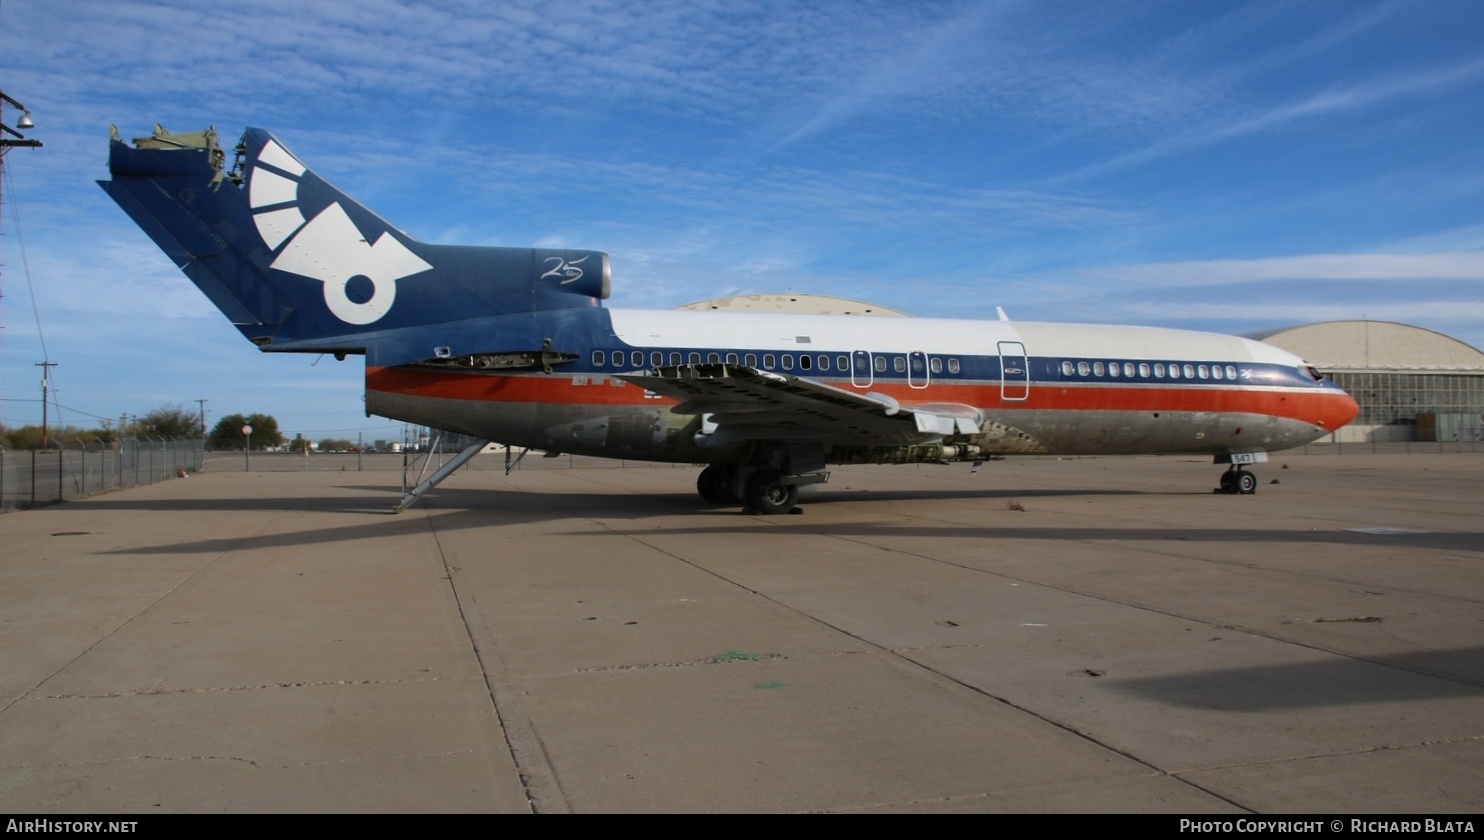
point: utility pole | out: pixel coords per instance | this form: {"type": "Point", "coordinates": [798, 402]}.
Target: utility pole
{"type": "Point", "coordinates": [6, 143]}
{"type": "Point", "coordinates": [46, 370]}
{"type": "Point", "coordinates": [202, 404]}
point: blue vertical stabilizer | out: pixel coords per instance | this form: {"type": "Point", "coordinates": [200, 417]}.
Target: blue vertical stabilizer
{"type": "Point", "coordinates": [298, 265]}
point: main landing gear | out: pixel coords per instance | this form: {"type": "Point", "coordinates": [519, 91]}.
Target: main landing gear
{"type": "Point", "coordinates": [717, 484]}
{"type": "Point", "coordinates": [1237, 481]}
{"type": "Point", "coordinates": [766, 493]}
{"type": "Point", "coordinates": [763, 490]}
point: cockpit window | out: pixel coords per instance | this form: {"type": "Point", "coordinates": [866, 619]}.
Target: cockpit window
{"type": "Point", "coordinates": [1313, 374]}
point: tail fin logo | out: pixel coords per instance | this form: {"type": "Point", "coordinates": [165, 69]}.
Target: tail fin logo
{"type": "Point", "coordinates": [328, 248]}
{"type": "Point", "coordinates": [570, 272]}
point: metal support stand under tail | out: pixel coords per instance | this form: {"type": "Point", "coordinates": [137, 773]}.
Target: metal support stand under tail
{"type": "Point", "coordinates": [512, 464]}
{"type": "Point", "coordinates": [443, 472]}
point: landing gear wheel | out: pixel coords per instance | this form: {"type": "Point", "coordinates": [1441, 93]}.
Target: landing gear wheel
{"type": "Point", "coordinates": [767, 494]}
{"type": "Point", "coordinates": [1246, 483]}
{"type": "Point", "coordinates": [1237, 481]}
{"type": "Point", "coordinates": [717, 484]}
{"type": "Point", "coordinates": [1228, 482]}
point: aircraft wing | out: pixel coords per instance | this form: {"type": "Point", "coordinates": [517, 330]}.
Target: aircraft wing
{"type": "Point", "coordinates": [739, 403]}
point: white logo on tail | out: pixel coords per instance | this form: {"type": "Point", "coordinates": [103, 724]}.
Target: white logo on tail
{"type": "Point", "coordinates": [328, 248]}
{"type": "Point", "coordinates": [567, 270]}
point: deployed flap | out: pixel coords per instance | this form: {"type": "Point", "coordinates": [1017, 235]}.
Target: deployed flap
{"type": "Point", "coordinates": [740, 403]}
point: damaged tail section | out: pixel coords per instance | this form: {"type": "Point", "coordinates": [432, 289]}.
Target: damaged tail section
{"type": "Point", "coordinates": [297, 265]}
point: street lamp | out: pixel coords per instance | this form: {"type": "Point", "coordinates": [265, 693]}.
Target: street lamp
{"type": "Point", "coordinates": [246, 448]}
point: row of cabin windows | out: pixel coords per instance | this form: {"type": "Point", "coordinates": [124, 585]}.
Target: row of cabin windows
{"type": "Point", "coordinates": [1114, 370]}
{"type": "Point", "coordinates": [770, 361]}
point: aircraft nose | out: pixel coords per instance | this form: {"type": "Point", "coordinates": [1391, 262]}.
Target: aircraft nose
{"type": "Point", "coordinates": [1340, 408]}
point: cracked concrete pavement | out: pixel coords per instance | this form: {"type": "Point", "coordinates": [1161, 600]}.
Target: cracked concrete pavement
{"type": "Point", "coordinates": [1047, 635]}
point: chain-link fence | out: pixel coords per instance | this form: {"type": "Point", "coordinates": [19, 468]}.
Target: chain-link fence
{"type": "Point", "coordinates": [30, 477]}
{"type": "Point", "coordinates": [1393, 447]}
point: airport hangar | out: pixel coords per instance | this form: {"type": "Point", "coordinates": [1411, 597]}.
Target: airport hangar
{"type": "Point", "coordinates": [1411, 383]}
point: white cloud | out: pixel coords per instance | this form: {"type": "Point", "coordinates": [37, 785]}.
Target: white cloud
{"type": "Point", "coordinates": [1456, 265]}
{"type": "Point", "coordinates": [1334, 100]}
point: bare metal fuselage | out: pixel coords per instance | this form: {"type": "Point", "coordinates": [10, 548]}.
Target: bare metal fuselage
{"type": "Point", "coordinates": [1240, 395]}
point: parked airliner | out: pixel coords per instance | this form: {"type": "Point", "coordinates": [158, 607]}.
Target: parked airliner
{"type": "Point", "coordinates": [513, 345]}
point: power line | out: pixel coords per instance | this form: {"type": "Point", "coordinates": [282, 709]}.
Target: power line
{"type": "Point", "coordinates": [6, 143]}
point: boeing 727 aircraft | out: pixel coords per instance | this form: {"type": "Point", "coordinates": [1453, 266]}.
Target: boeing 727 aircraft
{"type": "Point", "coordinates": [513, 345]}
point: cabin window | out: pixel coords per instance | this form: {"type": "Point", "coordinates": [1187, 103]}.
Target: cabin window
{"type": "Point", "coordinates": [1128, 369]}
{"type": "Point", "coordinates": [768, 361]}
{"type": "Point", "coordinates": [824, 362]}
{"type": "Point", "coordinates": [597, 358]}
{"type": "Point", "coordinates": [1216, 372]}
{"type": "Point", "coordinates": [618, 358]}
{"type": "Point", "coordinates": [1159, 371]}
{"type": "Point", "coordinates": [1189, 372]}
{"type": "Point", "coordinates": [750, 360]}
{"type": "Point", "coordinates": [674, 357]}
{"type": "Point", "coordinates": [1112, 368]}
{"type": "Point", "coordinates": [1144, 370]}
{"type": "Point", "coordinates": [1097, 368]}
{"type": "Point", "coordinates": [713, 358]}
{"type": "Point", "coordinates": [788, 361]}
{"type": "Point", "coordinates": [842, 363]}
{"type": "Point", "coordinates": [953, 365]}
{"type": "Point", "coordinates": [899, 364]}
{"type": "Point", "coordinates": [936, 365]}
{"type": "Point", "coordinates": [881, 364]}
{"type": "Point", "coordinates": [656, 358]}
{"type": "Point", "coordinates": [1067, 369]}
{"type": "Point", "coordinates": [806, 362]}
{"type": "Point", "coordinates": [1083, 368]}
{"type": "Point", "coordinates": [731, 358]}
{"type": "Point", "coordinates": [1231, 372]}
{"type": "Point", "coordinates": [695, 358]}
{"type": "Point", "coordinates": [1174, 371]}
{"type": "Point", "coordinates": [636, 358]}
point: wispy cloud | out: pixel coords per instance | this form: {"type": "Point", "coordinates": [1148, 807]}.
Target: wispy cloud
{"type": "Point", "coordinates": [1457, 265]}
{"type": "Point", "coordinates": [1327, 102]}
{"type": "Point", "coordinates": [911, 154]}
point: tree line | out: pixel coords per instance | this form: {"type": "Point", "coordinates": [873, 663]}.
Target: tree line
{"type": "Point", "coordinates": [167, 421]}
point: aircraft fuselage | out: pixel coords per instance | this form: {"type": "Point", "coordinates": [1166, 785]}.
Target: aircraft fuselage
{"type": "Point", "coordinates": [1040, 388]}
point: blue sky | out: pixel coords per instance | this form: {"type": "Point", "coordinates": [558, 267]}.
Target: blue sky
{"type": "Point", "coordinates": [1221, 166]}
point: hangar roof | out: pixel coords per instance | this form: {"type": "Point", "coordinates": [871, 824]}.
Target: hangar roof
{"type": "Point", "coordinates": [795, 304]}
{"type": "Point", "coordinates": [1374, 345]}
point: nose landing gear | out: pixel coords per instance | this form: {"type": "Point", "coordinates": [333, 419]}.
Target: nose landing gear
{"type": "Point", "coordinates": [1238, 481]}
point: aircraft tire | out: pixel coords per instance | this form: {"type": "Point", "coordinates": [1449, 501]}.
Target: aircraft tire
{"type": "Point", "coordinates": [715, 484]}
{"type": "Point", "coordinates": [1229, 482]}
{"type": "Point", "coordinates": [1246, 483]}
{"type": "Point", "coordinates": [767, 494]}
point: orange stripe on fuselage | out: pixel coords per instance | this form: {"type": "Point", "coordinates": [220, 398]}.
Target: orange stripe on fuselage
{"type": "Point", "coordinates": [558, 388]}
{"type": "Point", "coordinates": [1323, 407]}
